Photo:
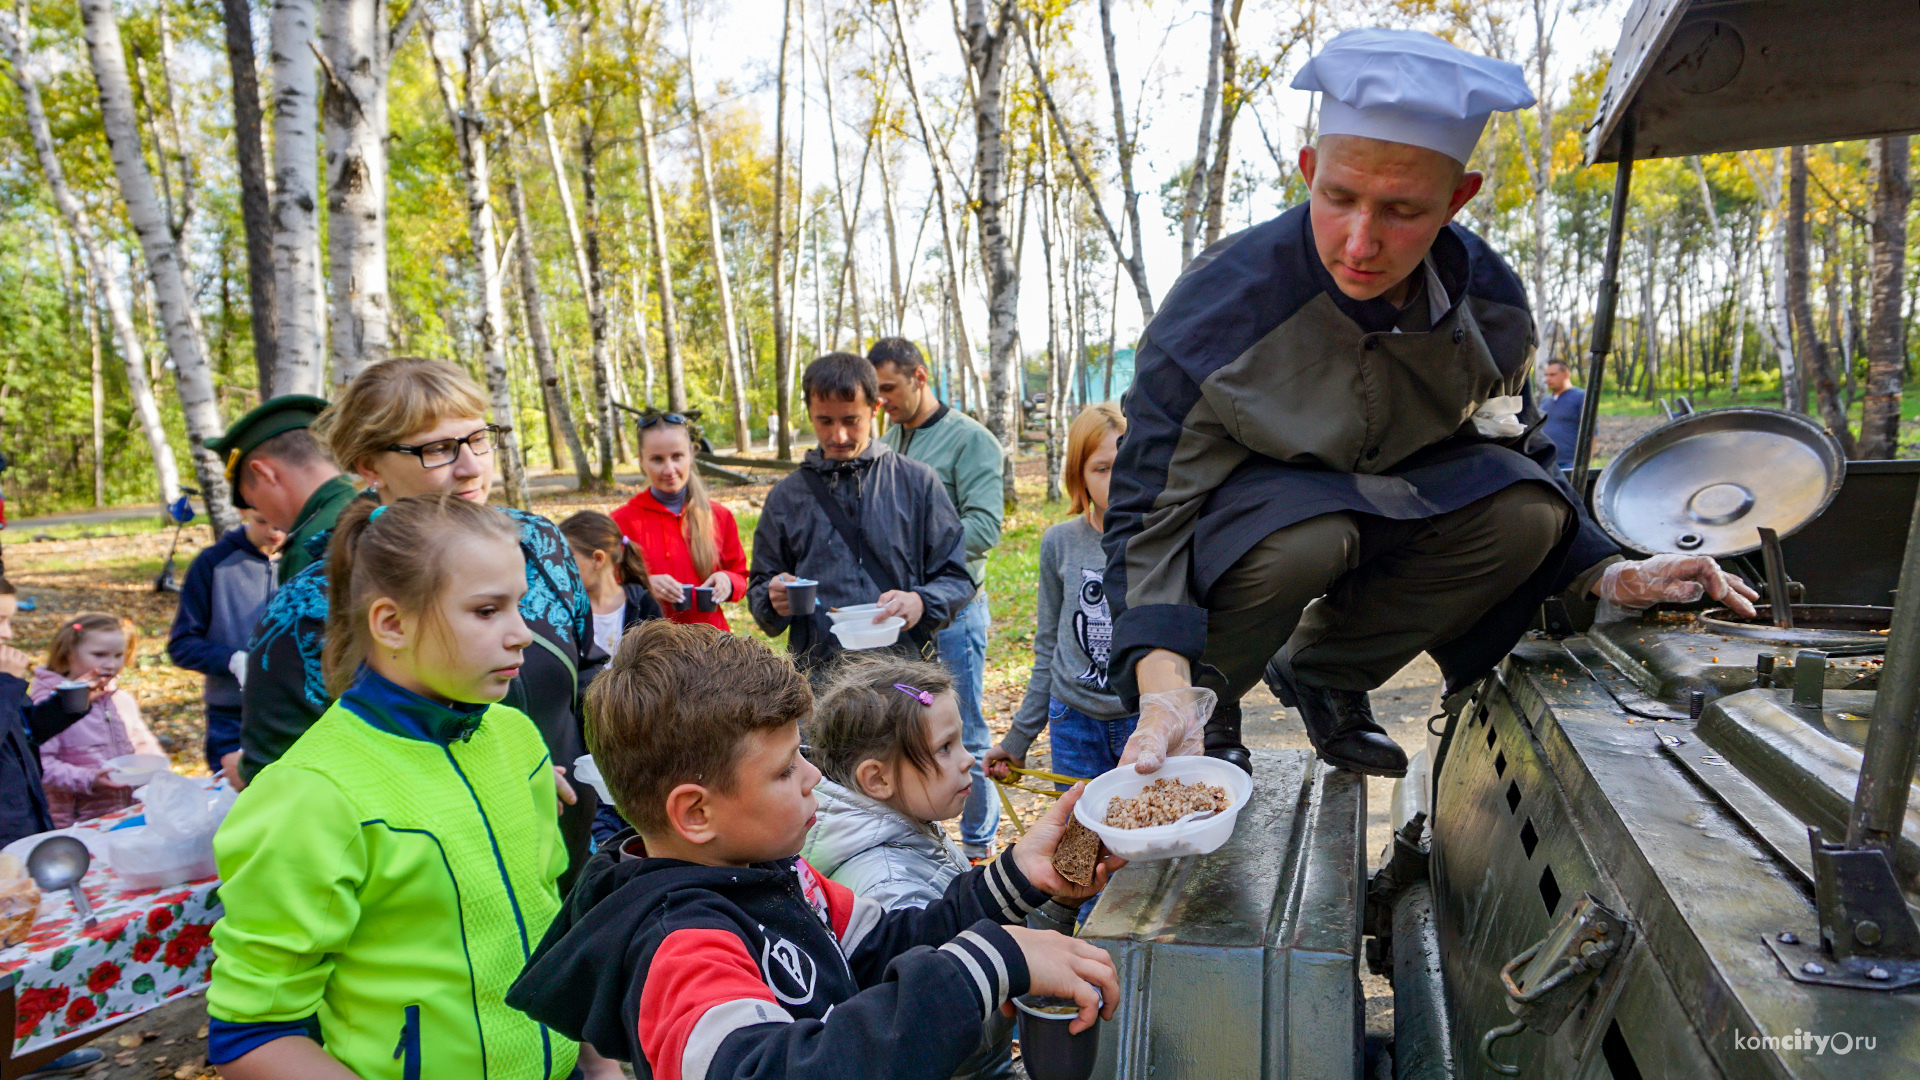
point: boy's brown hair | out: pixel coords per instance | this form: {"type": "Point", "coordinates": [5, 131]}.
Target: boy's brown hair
{"type": "Point", "coordinates": [863, 714]}
{"type": "Point", "coordinates": [673, 707]}
{"type": "Point", "coordinates": [74, 627]}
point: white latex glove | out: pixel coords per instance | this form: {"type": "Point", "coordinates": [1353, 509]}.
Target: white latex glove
{"type": "Point", "coordinates": [1673, 579]}
{"type": "Point", "coordinates": [1171, 724]}
{"type": "Point", "coordinates": [237, 663]}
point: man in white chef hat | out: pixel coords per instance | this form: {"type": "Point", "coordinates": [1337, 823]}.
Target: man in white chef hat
{"type": "Point", "coordinates": [1332, 461]}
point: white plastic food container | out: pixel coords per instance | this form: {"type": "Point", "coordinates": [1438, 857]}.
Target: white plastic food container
{"type": "Point", "coordinates": [868, 635]}
{"type": "Point", "coordinates": [144, 858]}
{"type": "Point", "coordinates": [135, 770]}
{"type": "Point", "coordinates": [585, 769]}
{"type": "Point", "coordinates": [857, 611]}
{"type": "Point", "coordinates": [1165, 841]}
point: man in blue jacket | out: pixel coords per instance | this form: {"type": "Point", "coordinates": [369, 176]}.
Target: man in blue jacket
{"type": "Point", "coordinates": [1562, 406]}
{"type": "Point", "coordinates": [226, 589]}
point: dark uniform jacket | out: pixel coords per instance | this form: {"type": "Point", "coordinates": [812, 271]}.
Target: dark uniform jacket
{"type": "Point", "coordinates": [226, 589]}
{"type": "Point", "coordinates": [23, 727]}
{"type": "Point", "coordinates": [1265, 396]}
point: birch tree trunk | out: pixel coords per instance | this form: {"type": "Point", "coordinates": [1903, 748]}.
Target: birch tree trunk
{"type": "Point", "coordinates": [1230, 93]}
{"type": "Point", "coordinates": [192, 374]}
{"type": "Point", "coordinates": [1886, 349]}
{"type": "Point", "coordinates": [133, 355]}
{"type": "Point", "coordinates": [777, 267]}
{"type": "Point", "coordinates": [466, 114]}
{"type": "Point", "coordinates": [950, 250]}
{"type": "Point", "coordinates": [1134, 265]}
{"type": "Point", "coordinates": [296, 200]}
{"type": "Point", "coordinates": [590, 293]}
{"type": "Point", "coordinates": [559, 413]}
{"type": "Point", "coordinates": [987, 43]}
{"type": "Point", "coordinates": [256, 210]}
{"type": "Point", "coordinates": [1808, 346]}
{"type": "Point", "coordinates": [359, 57]}
{"type": "Point", "coordinates": [603, 375]}
{"type": "Point", "coordinates": [657, 231]}
{"type": "Point", "coordinates": [1197, 178]}
{"type": "Point", "coordinates": [1135, 261]}
{"type": "Point", "coordinates": [717, 243]}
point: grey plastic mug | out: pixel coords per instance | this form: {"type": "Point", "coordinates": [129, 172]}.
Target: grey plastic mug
{"type": "Point", "coordinates": [800, 595]}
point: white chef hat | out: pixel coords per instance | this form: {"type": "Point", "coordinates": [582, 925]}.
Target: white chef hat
{"type": "Point", "coordinates": [1405, 86]}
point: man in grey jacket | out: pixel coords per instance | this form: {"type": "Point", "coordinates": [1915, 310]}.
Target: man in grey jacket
{"type": "Point", "coordinates": [904, 547]}
{"type": "Point", "coordinates": [1333, 462]}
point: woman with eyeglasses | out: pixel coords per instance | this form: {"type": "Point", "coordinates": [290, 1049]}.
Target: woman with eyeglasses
{"type": "Point", "coordinates": [688, 540]}
{"type": "Point", "coordinates": [418, 427]}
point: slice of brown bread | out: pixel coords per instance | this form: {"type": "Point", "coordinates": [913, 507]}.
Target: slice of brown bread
{"type": "Point", "coordinates": [1077, 853]}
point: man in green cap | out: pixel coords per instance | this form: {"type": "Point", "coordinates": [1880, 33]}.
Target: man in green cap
{"type": "Point", "coordinates": [276, 466]}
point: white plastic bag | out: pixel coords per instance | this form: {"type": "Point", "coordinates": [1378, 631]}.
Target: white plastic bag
{"type": "Point", "coordinates": [176, 843]}
{"type": "Point", "coordinates": [178, 808]}
{"type": "Point", "coordinates": [1499, 418]}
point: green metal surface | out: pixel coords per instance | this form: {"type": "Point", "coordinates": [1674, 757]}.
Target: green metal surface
{"type": "Point", "coordinates": [1686, 840]}
{"type": "Point", "coordinates": [1244, 963]}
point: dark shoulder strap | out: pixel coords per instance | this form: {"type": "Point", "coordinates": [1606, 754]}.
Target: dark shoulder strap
{"type": "Point", "coordinates": [848, 530]}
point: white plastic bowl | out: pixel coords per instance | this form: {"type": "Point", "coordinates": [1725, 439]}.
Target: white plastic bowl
{"type": "Point", "coordinates": [135, 770]}
{"type": "Point", "coordinates": [1165, 841]}
{"type": "Point", "coordinates": [857, 611]}
{"type": "Point", "coordinates": [868, 635]}
{"type": "Point", "coordinates": [585, 769]}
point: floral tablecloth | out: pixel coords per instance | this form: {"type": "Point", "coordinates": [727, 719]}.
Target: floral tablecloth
{"type": "Point", "coordinates": [150, 945]}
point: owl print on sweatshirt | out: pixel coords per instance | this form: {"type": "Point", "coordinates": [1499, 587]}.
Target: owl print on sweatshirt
{"type": "Point", "coordinates": [1093, 627]}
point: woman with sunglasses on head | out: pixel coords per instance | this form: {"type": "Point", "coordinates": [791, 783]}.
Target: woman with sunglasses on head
{"type": "Point", "coordinates": [688, 540]}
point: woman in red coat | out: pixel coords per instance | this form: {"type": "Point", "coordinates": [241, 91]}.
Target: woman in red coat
{"type": "Point", "coordinates": [687, 538]}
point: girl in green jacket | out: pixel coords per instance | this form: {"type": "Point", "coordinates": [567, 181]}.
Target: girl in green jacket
{"type": "Point", "coordinates": [386, 879]}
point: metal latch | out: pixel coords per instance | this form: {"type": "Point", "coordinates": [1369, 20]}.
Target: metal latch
{"type": "Point", "coordinates": [1867, 938]}
{"type": "Point", "coordinates": [1545, 982]}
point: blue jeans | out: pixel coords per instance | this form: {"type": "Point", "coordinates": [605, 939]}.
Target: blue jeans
{"type": "Point", "coordinates": [223, 734]}
{"type": "Point", "coordinates": [1082, 745]}
{"type": "Point", "coordinates": [963, 648]}
{"type": "Point", "coordinates": [1085, 747]}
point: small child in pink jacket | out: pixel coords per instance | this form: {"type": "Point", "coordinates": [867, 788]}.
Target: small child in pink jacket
{"type": "Point", "coordinates": [91, 647]}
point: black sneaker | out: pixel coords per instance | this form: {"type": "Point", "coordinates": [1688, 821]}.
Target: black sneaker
{"type": "Point", "coordinates": [1222, 736]}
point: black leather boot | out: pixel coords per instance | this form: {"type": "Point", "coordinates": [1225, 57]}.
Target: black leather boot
{"type": "Point", "coordinates": [1222, 736]}
{"type": "Point", "coordinates": [1339, 724]}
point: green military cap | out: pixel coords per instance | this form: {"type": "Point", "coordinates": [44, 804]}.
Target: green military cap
{"type": "Point", "coordinates": [276, 416]}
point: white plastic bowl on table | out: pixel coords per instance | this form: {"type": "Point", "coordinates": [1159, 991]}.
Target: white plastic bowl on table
{"type": "Point", "coordinates": [866, 635]}
{"type": "Point", "coordinates": [857, 611]}
{"type": "Point", "coordinates": [1198, 837]}
{"type": "Point", "coordinates": [585, 769]}
{"type": "Point", "coordinates": [135, 770]}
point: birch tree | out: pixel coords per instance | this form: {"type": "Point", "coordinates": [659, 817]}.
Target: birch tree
{"type": "Point", "coordinates": [1190, 202]}
{"type": "Point", "coordinates": [782, 339]}
{"type": "Point", "coordinates": [466, 111]}
{"type": "Point", "coordinates": [1886, 347]}
{"type": "Point", "coordinates": [359, 50]}
{"type": "Point", "coordinates": [14, 37]}
{"type": "Point", "coordinates": [1232, 94]}
{"type": "Point", "coordinates": [717, 243]}
{"type": "Point", "coordinates": [559, 412]}
{"type": "Point", "coordinates": [192, 374]}
{"type": "Point", "coordinates": [296, 199]}
{"type": "Point", "coordinates": [256, 210]}
{"type": "Point", "coordinates": [1808, 346]}
{"type": "Point", "coordinates": [987, 40]}
{"type": "Point", "coordinates": [657, 231]}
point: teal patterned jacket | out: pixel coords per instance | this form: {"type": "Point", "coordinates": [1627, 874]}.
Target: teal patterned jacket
{"type": "Point", "coordinates": [285, 691]}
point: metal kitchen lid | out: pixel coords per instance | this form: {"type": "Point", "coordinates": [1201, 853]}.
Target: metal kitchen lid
{"type": "Point", "coordinates": [1707, 483]}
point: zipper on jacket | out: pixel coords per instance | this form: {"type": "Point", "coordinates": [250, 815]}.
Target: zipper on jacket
{"type": "Point", "coordinates": [408, 1051]}
{"type": "Point", "coordinates": [793, 886]}
{"type": "Point", "coordinates": [513, 898]}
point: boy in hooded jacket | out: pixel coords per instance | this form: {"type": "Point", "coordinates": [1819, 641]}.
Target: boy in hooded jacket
{"type": "Point", "coordinates": [699, 945]}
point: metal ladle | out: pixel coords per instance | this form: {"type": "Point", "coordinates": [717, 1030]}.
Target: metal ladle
{"type": "Point", "coordinates": [60, 862]}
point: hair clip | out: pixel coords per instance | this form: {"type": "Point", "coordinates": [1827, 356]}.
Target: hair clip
{"type": "Point", "coordinates": [915, 693]}
{"type": "Point", "coordinates": [377, 511]}
{"type": "Point", "coordinates": [77, 628]}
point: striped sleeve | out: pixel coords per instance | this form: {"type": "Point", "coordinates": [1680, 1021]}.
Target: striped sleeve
{"type": "Point", "coordinates": [983, 950]}
{"type": "Point", "coordinates": [701, 987]}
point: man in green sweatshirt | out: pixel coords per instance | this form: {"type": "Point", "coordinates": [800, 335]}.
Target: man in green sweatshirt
{"type": "Point", "coordinates": [967, 457]}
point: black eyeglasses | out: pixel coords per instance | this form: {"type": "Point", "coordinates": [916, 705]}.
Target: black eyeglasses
{"type": "Point", "coordinates": [443, 452]}
{"type": "Point", "coordinates": [671, 418]}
